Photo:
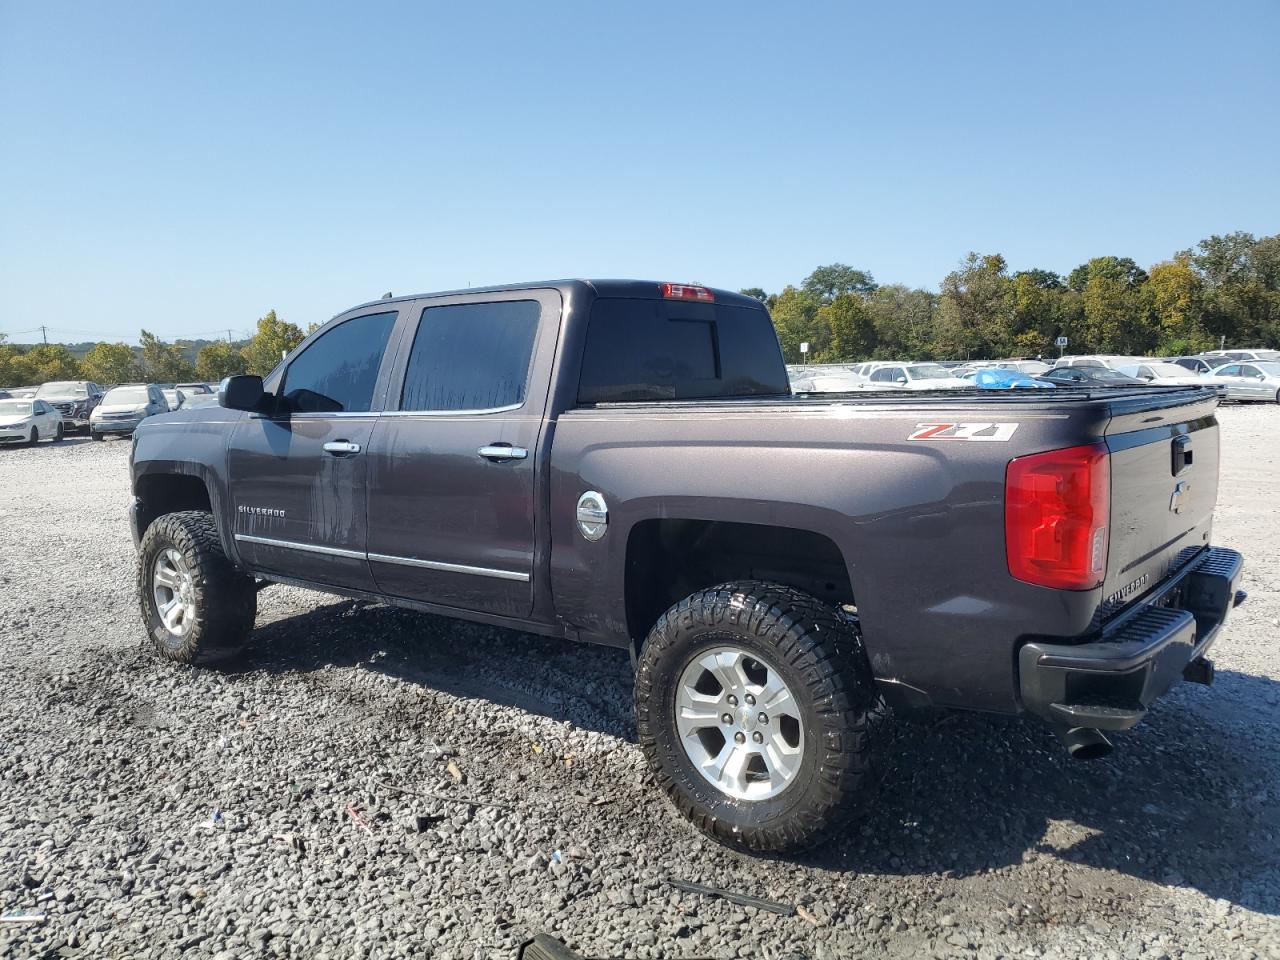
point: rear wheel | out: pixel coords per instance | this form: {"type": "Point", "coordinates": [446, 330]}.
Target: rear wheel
{"type": "Point", "coordinates": [753, 708]}
{"type": "Point", "coordinates": [196, 606]}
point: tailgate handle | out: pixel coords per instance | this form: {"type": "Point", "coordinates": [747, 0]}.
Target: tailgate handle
{"type": "Point", "coordinates": [1182, 455]}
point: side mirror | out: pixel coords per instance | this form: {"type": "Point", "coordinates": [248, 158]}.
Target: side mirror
{"type": "Point", "coordinates": [243, 392]}
{"type": "Point", "coordinates": [901, 380]}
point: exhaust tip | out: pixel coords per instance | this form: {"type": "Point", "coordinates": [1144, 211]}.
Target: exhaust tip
{"type": "Point", "coordinates": [1084, 743]}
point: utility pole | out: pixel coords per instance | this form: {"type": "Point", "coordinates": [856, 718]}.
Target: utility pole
{"type": "Point", "coordinates": [228, 336]}
{"type": "Point", "coordinates": [44, 334]}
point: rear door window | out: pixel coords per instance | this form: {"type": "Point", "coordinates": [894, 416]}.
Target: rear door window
{"type": "Point", "coordinates": [645, 350]}
{"type": "Point", "coordinates": [471, 356]}
{"type": "Point", "coordinates": [337, 371]}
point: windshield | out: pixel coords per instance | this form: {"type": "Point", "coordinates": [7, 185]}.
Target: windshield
{"type": "Point", "coordinates": [928, 371]}
{"type": "Point", "coordinates": [15, 408]}
{"type": "Point", "coordinates": [125, 395]}
{"type": "Point", "coordinates": [1167, 369]}
{"type": "Point", "coordinates": [63, 388]}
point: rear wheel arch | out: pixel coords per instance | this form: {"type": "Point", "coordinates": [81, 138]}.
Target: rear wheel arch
{"type": "Point", "coordinates": [668, 559]}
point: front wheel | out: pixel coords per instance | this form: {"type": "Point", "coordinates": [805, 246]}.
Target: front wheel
{"type": "Point", "coordinates": [95, 435]}
{"type": "Point", "coordinates": [754, 704]}
{"type": "Point", "coordinates": [196, 606]}
{"type": "Point", "coordinates": [61, 431]}
{"type": "Point", "coordinates": [34, 438]}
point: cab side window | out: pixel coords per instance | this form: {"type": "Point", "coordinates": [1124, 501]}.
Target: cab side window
{"type": "Point", "coordinates": [1231, 370]}
{"type": "Point", "coordinates": [1247, 371]}
{"type": "Point", "coordinates": [471, 356]}
{"type": "Point", "coordinates": [338, 370]}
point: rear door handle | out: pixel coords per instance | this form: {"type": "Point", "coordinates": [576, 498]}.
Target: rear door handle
{"type": "Point", "coordinates": [341, 448]}
{"type": "Point", "coordinates": [503, 451]}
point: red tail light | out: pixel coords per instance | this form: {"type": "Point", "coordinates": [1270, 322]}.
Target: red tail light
{"type": "Point", "coordinates": [685, 291]}
{"type": "Point", "coordinates": [1056, 515]}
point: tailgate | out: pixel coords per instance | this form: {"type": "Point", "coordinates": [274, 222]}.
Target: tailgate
{"type": "Point", "coordinates": [1164, 484]}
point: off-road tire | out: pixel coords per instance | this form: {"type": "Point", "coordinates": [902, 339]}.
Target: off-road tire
{"type": "Point", "coordinates": [818, 653]}
{"type": "Point", "coordinates": [226, 601]}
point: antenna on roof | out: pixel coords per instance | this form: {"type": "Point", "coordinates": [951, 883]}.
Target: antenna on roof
{"type": "Point", "coordinates": [387, 295]}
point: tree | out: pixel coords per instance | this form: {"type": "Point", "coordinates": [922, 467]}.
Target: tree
{"type": "Point", "coordinates": [164, 362]}
{"type": "Point", "coordinates": [1120, 269]}
{"type": "Point", "coordinates": [827, 283]}
{"type": "Point", "coordinates": [975, 313]}
{"type": "Point", "coordinates": [110, 363]}
{"type": "Point", "coordinates": [274, 338]}
{"type": "Point", "coordinates": [1176, 293]}
{"type": "Point", "coordinates": [51, 361]}
{"type": "Point", "coordinates": [15, 371]}
{"type": "Point", "coordinates": [757, 292]}
{"type": "Point", "coordinates": [853, 334]}
{"type": "Point", "coordinates": [904, 322]}
{"type": "Point", "coordinates": [795, 315]}
{"type": "Point", "coordinates": [219, 360]}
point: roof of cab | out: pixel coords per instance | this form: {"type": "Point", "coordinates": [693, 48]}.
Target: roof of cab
{"type": "Point", "coordinates": [630, 289]}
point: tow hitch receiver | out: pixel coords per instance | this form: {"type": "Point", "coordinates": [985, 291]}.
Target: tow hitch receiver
{"type": "Point", "coordinates": [1199, 670]}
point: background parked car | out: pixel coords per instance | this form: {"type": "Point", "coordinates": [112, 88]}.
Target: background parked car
{"type": "Point", "coordinates": [175, 397]}
{"type": "Point", "coordinates": [22, 393]}
{"type": "Point", "coordinates": [28, 421]}
{"type": "Point", "coordinates": [837, 381]}
{"type": "Point", "coordinates": [198, 400]}
{"type": "Point", "coordinates": [73, 399]}
{"type": "Point", "coordinates": [915, 376]}
{"type": "Point", "coordinates": [126, 406]}
{"type": "Point", "coordinates": [1258, 381]}
{"type": "Point", "coordinates": [1199, 365]}
{"type": "Point", "coordinates": [1219, 357]}
{"type": "Point", "coordinates": [190, 389]}
{"type": "Point", "coordinates": [1089, 376]}
{"type": "Point", "coordinates": [1160, 373]}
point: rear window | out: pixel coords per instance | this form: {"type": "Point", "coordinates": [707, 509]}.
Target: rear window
{"type": "Point", "coordinates": [678, 350]}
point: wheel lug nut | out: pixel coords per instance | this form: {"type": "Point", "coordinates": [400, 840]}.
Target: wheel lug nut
{"type": "Point", "coordinates": [733, 701]}
{"type": "Point", "coordinates": [751, 701]}
{"type": "Point", "coordinates": [727, 718]}
{"type": "Point", "coordinates": [764, 718]}
{"type": "Point", "coordinates": [740, 737]}
{"type": "Point", "coordinates": [758, 737]}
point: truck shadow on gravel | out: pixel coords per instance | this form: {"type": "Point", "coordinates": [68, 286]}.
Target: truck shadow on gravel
{"type": "Point", "coordinates": [1189, 798]}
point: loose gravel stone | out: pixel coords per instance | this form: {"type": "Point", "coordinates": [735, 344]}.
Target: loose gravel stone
{"type": "Point", "coordinates": [155, 810]}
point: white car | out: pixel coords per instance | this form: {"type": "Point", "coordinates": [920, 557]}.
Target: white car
{"type": "Point", "coordinates": [836, 382]}
{"type": "Point", "coordinates": [1032, 368]}
{"type": "Point", "coordinates": [123, 408]}
{"type": "Point", "coordinates": [27, 421]}
{"type": "Point", "coordinates": [1220, 357]}
{"type": "Point", "coordinates": [1258, 381]}
{"type": "Point", "coordinates": [1166, 374]}
{"type": "Point", "coordinates": [914, 376]}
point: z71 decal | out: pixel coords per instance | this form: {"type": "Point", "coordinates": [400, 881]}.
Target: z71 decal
{"type": "Point", "coordinates": [998, 432]}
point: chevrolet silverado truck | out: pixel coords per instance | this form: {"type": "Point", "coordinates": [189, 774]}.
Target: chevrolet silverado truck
{"type": "Point", "coordinates": [623, 462]}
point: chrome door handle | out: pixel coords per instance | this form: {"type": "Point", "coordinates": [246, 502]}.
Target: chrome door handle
{"type": "Point", "coordinates": [503, 451]}
{"type": "Point", "coordinates": [340, 448]}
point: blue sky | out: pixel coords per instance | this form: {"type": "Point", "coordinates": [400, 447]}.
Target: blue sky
{"type": "Point", "coordinates": [186, 167]}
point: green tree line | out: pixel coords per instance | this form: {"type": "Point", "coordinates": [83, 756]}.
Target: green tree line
{"type": "Point", "coordinates": [153, 361]}
{"type": "Point", "coordinates": [1225, 288]}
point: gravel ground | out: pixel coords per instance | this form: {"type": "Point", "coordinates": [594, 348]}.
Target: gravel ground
{"type": "Point", "coordinates": [279, 806]}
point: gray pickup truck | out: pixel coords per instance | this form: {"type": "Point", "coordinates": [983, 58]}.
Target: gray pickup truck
{"type": "Point", "coordinates": [623, 462]}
